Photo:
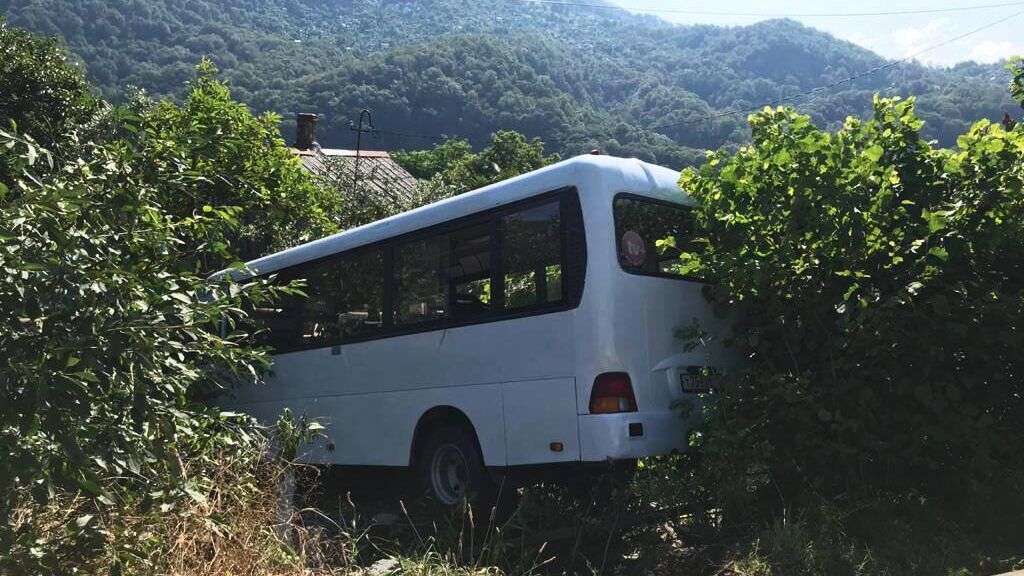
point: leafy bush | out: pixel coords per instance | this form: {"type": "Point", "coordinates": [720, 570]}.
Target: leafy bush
{"type": "Point", "coordinates": [882, 288]}
{"type": "Point", "coordinates": [110, 331]}
{"type": "Point", "coordinates": [104, 338]}
{"type": "Point", "coordinates": [454, 164]}
{"type": "Point", "coordinates": [211, 152]}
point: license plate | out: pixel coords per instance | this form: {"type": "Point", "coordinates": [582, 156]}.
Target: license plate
{"type": "Point", "coordinates": [697, 383]}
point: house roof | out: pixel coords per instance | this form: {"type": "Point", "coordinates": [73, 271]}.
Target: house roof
{"type": "Point", "coordinates": [377, 170]}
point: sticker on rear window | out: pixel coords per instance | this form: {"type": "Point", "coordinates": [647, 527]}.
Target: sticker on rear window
{"type": "Point", "coordinates": [634, 251]}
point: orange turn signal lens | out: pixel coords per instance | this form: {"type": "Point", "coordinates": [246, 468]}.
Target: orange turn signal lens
{"type": "Point", "coordinates": [607, 405]}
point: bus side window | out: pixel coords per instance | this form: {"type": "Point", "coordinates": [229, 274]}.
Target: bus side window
{"type": "Point", "coordinates": [277, 321]}
{"type": "Point", "coordinates": [469, 271]}
{"type": "Point", "coordinates": [320, 325]}
{"type": "Point", "coordinates": [532, 256]}
{"type": "Point", "coordinates": [361, 293]}
{"type": "Point", "coordinates": [420, 280]}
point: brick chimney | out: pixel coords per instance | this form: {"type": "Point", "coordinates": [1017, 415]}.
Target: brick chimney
{"type": "Point", "coordinates": [305, 130]}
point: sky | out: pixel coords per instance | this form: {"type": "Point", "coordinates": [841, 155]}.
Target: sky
{"type": "Point", "coordinates": [892, 36]}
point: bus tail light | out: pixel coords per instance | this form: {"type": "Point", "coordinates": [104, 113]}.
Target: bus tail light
{"type": "Point", "coordinates": [612, 394]}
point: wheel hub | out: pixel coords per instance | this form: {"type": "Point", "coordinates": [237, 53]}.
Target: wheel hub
{"type": "Point", "coordinates": [449, 474]}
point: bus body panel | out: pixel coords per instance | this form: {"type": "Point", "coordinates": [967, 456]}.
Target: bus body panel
{"type": "Point", "coordinates": [644, 318]}
{"type": "Point", "coordinates": [606, 436]}
{"type": "Point", "coordinates": [535, 419]}
{"type": "Point", "coordinates": [376, 429]}
{"type": "Point", "coordinates": [379, 389]}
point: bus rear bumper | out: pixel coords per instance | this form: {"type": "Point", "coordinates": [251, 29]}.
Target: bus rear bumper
{"type": "Point", "coordinates": [633, 435]}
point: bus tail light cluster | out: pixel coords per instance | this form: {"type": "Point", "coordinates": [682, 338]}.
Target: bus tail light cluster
{"type": "Point", "coordinates": [612, 394]}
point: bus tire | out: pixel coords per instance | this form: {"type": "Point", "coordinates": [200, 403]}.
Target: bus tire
{"type": "Point", "coordinates": [452, 469]}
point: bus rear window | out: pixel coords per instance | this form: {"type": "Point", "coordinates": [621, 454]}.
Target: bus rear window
{"type": "Point", "coordinates": [656, 238]}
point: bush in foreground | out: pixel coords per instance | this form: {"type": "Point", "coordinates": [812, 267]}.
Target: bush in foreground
{"type": "Point", "coordinates": [109, 331]}
{"type": "Point", "coordinates": [881, 283]}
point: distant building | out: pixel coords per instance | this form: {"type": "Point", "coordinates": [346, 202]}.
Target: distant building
{"type": "Point", "coordinates": [377, 172]}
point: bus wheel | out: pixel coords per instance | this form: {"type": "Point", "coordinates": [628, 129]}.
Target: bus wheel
{"type": "Point", "coordinates": [452, 468]}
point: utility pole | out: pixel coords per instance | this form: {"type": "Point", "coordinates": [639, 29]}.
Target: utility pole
{"type": "Point", "coordinates": [359, 130]}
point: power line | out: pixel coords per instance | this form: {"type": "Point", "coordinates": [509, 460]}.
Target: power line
{"type": "Point", "coordinates": [854, 78]}
{"type": "Point", "coordinates": [777, 14]}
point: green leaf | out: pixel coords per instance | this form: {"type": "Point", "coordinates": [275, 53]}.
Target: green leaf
{"type": "Point", "coordinates": [936, 221]}
{"type": "Point", "coordinates": [85, 375]}
{"type": "Point", "coordinates": [90, 486]}
{"type": "Point", "coordinates": [183, 298]}
{"type": "Point", "coordinates": [940, 253]}
{"type": "Point", "coordinates": [874, 153]}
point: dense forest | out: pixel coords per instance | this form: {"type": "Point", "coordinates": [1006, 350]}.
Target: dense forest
{"type": "Point", "coordinates": [578, 77]}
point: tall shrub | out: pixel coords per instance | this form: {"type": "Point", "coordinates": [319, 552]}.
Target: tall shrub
{"type": "Point", "coordinates": [109, 330]}
{"type": "Point", "coordinates": [881, 281]}
{"type": "Point", "coordinates": [212, 151]}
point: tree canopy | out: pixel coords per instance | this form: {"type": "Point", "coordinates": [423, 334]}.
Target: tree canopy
{"type": "Point", "coordinates": [453, 162]}
{"type": "Point", "coordinates": [236, 159]}
{"type": "Point", "coordinates": [43, 94]}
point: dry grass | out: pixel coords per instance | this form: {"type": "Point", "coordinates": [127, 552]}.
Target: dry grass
{"type": "Point", "coordinates": [229, 524]}
{"type": "Point", "coordinates": [243, 525]}
{"type": "Point", "coordinates": [233, 530]}
{"type": "Point", "coordinates": [233, 524]}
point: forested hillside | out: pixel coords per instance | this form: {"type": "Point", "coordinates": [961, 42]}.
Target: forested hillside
{"type": "Point", "coordinates": [578, 77]}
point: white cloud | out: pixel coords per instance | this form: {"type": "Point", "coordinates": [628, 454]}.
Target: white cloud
{"type": "Point", "coordinates": [992, 51]}
{"type": "Point", "coordinates": [913, 39]}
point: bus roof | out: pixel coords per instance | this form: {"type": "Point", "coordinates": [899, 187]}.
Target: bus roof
{"type": "Point", "coordinates": [617, 174]}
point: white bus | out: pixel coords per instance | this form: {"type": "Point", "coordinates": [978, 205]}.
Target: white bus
{"type": "Point", "coordinates": [531, 322]}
